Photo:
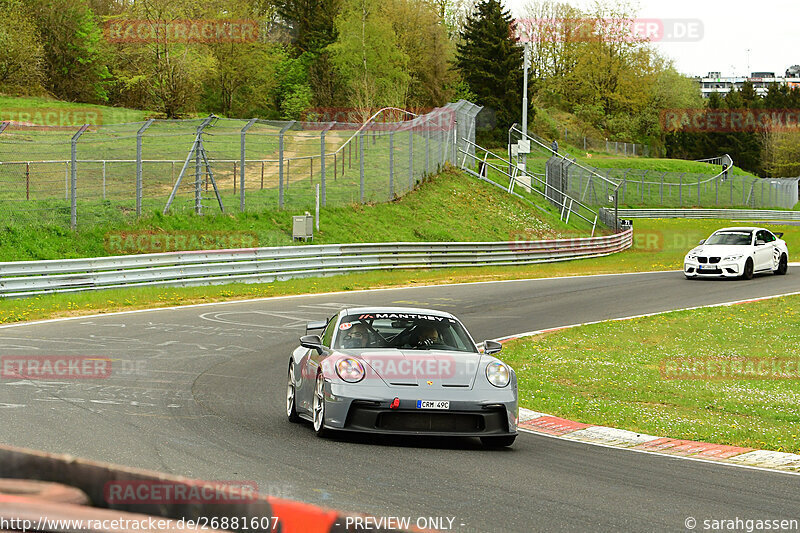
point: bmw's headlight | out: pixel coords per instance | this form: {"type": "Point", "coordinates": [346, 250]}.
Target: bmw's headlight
{"type": "Point", "coordinates": [733, 257]}
{"type": "Point", "coordinates": [350, 370]}
{"type": "Point", "coordinates": [691, 256]}
{"type": "Point", "coordinates": [497, 373]}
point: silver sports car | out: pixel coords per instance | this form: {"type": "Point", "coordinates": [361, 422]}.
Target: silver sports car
{"type": "Point", "coordinates": [401, 371]}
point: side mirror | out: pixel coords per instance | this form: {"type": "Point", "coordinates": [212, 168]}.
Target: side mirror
{"type": "Point", "coordinates": [759, 242]}
{"type": "Point", "coordinates": [701, 241]}
{"type": "Point", "coordinates": [312, 342]}
{"type": "Point", "coordinates": [491, 347]}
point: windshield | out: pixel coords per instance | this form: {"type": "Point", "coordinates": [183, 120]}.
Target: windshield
{"type": "Point", "coordinates": [731, 238]}
{"type": "Point", "coordinates": [402, 331]}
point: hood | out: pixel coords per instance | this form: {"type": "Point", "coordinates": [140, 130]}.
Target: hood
{"type": "Point", "coordinates": [408, 368]}
{"type": "Point", "coordinates": [720, 250]}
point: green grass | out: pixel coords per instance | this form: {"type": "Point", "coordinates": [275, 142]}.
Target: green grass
{"type": "Point", "coordinates": [449, 207]}
{"type": "Point", "coordinates": [610, 374]}
{"type": "Point", "coordinates": [12, 106]}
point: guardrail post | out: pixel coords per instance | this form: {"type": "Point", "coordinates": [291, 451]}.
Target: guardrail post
{"type": "Point", "coordinates": [241, 164]}
{"type": "Point", "coordinates": [391, 165]}
{"type": "Point", "coordinates": [139, 186]}
{"type": "Point", "coordinates": [280, 162]}
{"type": "Point", "coordinates": [73, 182]}
{"type": "Point", "coordinates": [680, 190]}
{"type": "Point", "coordinates": [361, 166]}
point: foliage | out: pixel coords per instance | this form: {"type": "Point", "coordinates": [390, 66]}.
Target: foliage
{"type": "Point", "coordinates": [22, 59]}
{"type": "Point", "coordinates": [74, 50]}
{"type": "Point", "coordinates": [367, 57]}
{"type": "Point", "coordinates": [489, 59]}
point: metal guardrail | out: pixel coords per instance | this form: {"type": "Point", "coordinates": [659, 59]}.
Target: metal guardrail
{"type": "Point", "coordinates": [737, 214]}
{"type": "Point", "coordinates": [262, 265]}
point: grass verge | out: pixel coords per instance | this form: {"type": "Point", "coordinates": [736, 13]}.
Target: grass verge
{"type": "Point", "coordinates": [618, 374]}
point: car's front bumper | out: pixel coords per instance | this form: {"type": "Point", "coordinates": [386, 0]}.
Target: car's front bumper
{"type": "Point", "coordinates": [723, 269]}
{"type": "Point", "coordinates": [367, 409]}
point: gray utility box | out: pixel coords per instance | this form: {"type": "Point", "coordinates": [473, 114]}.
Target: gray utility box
{"type": "Point", "coordinates": [303, 227]}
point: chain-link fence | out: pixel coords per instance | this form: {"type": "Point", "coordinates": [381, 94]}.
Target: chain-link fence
{"type": "Point", "coordinates": [112, 173]}
{"type": "Point", "coordinates": [679, 189]}
{"type": "Point", "coordinates": [649, 188]}
{"type": "Point", "coordinates": [594, 144]}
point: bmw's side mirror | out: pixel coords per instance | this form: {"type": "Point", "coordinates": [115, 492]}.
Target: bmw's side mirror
{"type": "Point", "coordinates": [491, 347]}
{"type": "Point", "coordinates": [759, 242]}
{"type": "Point", "coordinates": [701, 241]}
{"type": "Point", "coordinates": [312, 342]}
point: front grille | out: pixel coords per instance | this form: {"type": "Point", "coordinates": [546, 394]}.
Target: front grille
{"type": "Point", "coordinates": [713, 260]}
{"type": "Point", "coordinates": [710, 271]}
{"type": "Point", "coordinates": [490, 420]}
{"type": "Point", "coordinates": [435, 422]}
{"type": "Point", "coordinates": [702, 260]}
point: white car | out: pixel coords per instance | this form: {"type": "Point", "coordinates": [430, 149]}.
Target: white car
{"type": "Point", "coordinates": [737, 253]}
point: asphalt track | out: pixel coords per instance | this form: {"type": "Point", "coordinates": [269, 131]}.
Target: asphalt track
{"type": "Point", "coordinates": [199, 391]}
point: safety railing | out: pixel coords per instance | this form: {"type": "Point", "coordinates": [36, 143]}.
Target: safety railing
{"type": "Point", "coordinates": [261, 265]}
{"type": "Point", "coordinates": [729, 214]}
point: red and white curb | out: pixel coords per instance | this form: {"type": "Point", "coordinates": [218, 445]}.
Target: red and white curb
{"type": "Point", "coordinates": [535, 422]}
{"type": "Point", "coordinates": [553, 426]}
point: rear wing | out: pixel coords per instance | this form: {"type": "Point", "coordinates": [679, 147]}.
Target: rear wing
{"type": "Point", "coordinates": [778, 234]}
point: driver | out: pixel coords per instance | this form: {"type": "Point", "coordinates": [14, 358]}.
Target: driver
{"type": "Point", "coordinates": [427, 336]}
{"type": "Point", "coordinates": [356, 337]}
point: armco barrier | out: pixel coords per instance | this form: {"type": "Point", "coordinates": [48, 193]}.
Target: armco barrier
{"type": "Point", "coordinates": [284, 516]}
{"type": "Point", "coordinates": [263, 265]}
{"type": "Point", "coordinates": [729, 214]}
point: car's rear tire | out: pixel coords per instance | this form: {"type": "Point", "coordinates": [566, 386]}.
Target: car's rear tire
{"type": "Point", "coordinates": [498, 442]}
{"type": "Point", "coordinates": [318, 407]}
{"type": "Point", "coordinates": [748, 269]}
{"type": "Point", "coordinates": [783, 266]}
{"type": "Point", "coordinates": [291, 396]}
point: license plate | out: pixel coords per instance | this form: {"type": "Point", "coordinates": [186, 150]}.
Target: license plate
{"type": "Point", "coordinates": [430, 404]}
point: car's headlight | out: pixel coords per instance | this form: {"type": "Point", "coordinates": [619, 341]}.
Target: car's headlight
{"type": "Point", "coordinates": [350, 370]}
{"type": "Point", "coordinates": [733, 257]}
{"type": "Point", "coordinates": [497, 373]}
{"type": "Point", "coordinates": [691, 257]}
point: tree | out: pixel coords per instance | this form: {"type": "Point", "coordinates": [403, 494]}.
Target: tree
{"type": "Point", "coordinates": [422, 37]}
{"type": "Point", "coordinates": [74, 50]}
{"type": "Point", "coordinates": [22, 59]}
{"type": "Point", "coordinates": [367, 57]}
{"type": "Point", "coordinates": [490, 60]}
{"type": "Point", "coordinates": [312, 21]}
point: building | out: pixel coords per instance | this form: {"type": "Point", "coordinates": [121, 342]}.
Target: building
{"type": "Point", "coordinates": [716, 83]}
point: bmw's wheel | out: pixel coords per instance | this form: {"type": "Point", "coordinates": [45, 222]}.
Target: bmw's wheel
{"type": "Point", "coordinates": [783, 266]}
{"type": "Point", "coordinates": [291, 393]}
{"type": "Point", "coordinates": [748, 269]}
{"type": "Point", "coordinates": [498, 442]}
{"type": "Point", "coordinates": [319, 406]}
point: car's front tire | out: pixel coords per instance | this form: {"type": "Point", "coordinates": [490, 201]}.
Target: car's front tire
{"type": "Point", "coordinates": [747, 273]}
{"type": "Point", "coordinates": [498, 442]}
{"type": "Point", "coordinates": [291, 396]}
{"type": "Point", "coordinates": [318, 409]}
{"type": "Point", "coordinates": [783, 265]}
